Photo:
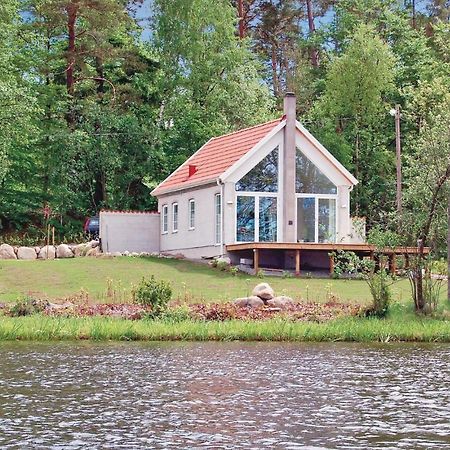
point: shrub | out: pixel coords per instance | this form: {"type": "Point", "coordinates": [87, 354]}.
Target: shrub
{"type": "Point", "coordinates": [379, 285]}
{"type": "Point", "coordinates": [27, 307]}
{"type": "Point", "coordinates": [153, 293]}
{"type": "Point", "coordinates": [234, 270]}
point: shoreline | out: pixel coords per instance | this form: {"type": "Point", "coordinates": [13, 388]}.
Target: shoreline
{"type": "Point", "coordinates": [395, 329]}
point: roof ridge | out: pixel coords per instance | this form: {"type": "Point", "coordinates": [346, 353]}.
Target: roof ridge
{"type": "Point", "coordinates": [248, 128]}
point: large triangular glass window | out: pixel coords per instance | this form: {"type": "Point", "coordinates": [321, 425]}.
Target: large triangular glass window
{"type": "Point", "coordinates": [263, 177]}
{"type": "Point", "coordinates": [309, 179]}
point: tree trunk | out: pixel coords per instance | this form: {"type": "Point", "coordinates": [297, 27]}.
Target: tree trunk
{"type": "Point", "coordinates": [312, 29]}
{"type": "Point", "coordinates": [72, 9]}
{"type": "Point", "coordinates": [241, 19]}
{"type": "Point", "coordinates": [448, 250]}
{"type": "Point", "coordinates": [276, 87]}
{"type": "Point", "coordinates": [420, 303]}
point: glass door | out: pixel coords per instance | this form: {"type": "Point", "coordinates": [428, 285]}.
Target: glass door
{"type": "Point", "coordinates": [316, 219]}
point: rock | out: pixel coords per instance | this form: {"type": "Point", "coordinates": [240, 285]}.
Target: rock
{"type": "Point", "coordinates": [94, 252]}
{"type": "Point", "coordinates": [249, 302]}
{"type": "Point", "coordinates": [126, 253]}
{"type": "Point", "coordinates": [280, 302]}
{"type": "Point", "coordinates": [26, 253]}
{"type": "Point", "coordinates": [116, 254]}
{"type": "Point", "coordinates": [47, 252]}
{"type": "Point", "coordinates": [37, 250]}
{"type": "Point", "coordinates": [81, 249]}
{"type": "Point", "coordinates": [63, 251]}
{"type": "Point", "coordinates": [263, 291]}
{"type": "Point", "coordinates": [7, 252]}
{"type": "Point", "coordinates": [94, 244]}
{"type": "Point", "coordinates": [134, 254]}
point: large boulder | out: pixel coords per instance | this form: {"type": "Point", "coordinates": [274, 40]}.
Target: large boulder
{"type": "Point", "coordinates": [47, 252]}
{"type": "Point", "coordinates": [280, 302]}
{"type": "Point", "coordinates": [81, 249]}
{"type": "Point", "coordinates": [263, 291]}
{"type": "Point", "coordinates": [63, 251]}
{"type": "Point", "coordinates": [26, 253]}
{"type": "Point", "coordinates": [7, 252]}
{"type": "Point", "coordinates": [249, 302]}
{"type": "Point", "coordinates": [94, 252]}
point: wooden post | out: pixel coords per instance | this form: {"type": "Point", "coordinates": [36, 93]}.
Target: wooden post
{"type": "Point", "coordinates": [331, 265]}
{"type": "Point", "coordinates": [256, 260]}
{"type": "Point", "coordinates": [53, 236]}
{"type": "Point", "coordinates": [393, 263]}
{"type": "Point", "coordinates": [48, 238]}
{"type": "Point", "coordinates": [406, 260]}
{"type": "Point", "coordinates": [297, 262]}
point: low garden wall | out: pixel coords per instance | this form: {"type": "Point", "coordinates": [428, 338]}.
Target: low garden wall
{"type": "Point", "coordinates": [61, 251]}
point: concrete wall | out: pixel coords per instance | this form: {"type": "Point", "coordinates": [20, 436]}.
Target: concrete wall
{"type": "Point", "coordinates": [129, 231]}
{"type": "Point", "coordinates": [192, 243]}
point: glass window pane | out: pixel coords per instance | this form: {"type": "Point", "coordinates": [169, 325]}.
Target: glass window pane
{"type": "Point", "coordinates": [218, 223]}
{"type": "Point", "coordinates": [309, 179]}
{"type": "Point", "coordinates": [245, 219]}
{"type": "Point", "coordinates": [327, 220]}
{"type": "Point", "coordinates": [306, 219]}
{"type": "Point", "coordinates": [263, 177]}
{"type": "Point", "coordinates": [267, 219]}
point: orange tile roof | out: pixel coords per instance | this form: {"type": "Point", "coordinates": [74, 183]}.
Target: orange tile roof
{"type": "Point", "coordinates": [215, 157]}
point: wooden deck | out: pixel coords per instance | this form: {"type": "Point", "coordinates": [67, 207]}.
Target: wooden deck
{"type": "Point", "coordinates": [359, 249]}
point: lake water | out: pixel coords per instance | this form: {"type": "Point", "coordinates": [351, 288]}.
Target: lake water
{"type": "Point", "coordinates": [224, 396]}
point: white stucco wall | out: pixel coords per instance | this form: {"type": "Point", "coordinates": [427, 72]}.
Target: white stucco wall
{"type": "Point", "coordinates": [129, 231]}
{"type": "Point", "coordinates": [192, 243]}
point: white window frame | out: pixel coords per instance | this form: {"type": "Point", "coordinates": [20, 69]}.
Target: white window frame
{"type": "Point", "coordinates": [316, 213]}
{"type": "Point", "coordinates": [217, 219]}
{"type": "Point", "coordinates": [175, 217]}
{"type": "Point", "coordinates": [164, 219]}
{"type": "Point", "coordinates": [191, 214]}
{"type": "Point", "coordinates": [257, 196]}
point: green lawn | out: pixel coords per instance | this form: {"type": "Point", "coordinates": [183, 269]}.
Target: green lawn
{"type": "Point", "coordinates": [59, 279]}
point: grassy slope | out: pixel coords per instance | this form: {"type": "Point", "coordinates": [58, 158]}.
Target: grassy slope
{"type": "Point", "coordinates": [198, 282]}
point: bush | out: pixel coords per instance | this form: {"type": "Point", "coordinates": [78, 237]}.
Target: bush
{"type": "Point", "coordinates": [177, 314]}
{"type": "Point", "coordinates": [27, 307]}
{"type": "Point", "coordinates": [153, 293]}
{"type": "Point", "coordinates": [379, 284]}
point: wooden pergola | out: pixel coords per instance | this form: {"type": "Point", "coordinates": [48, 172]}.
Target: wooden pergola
{"type": "Point", "coordinates": [364, 250]}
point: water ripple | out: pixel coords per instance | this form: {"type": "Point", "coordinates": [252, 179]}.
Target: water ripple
{"type": "Point", "coordinates": [224, 395]}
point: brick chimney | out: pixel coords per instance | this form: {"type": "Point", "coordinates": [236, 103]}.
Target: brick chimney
{"type": "Point", "coordinates": [289, 201]}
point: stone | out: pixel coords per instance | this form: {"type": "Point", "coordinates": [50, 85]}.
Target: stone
{"type": "Point", "coordinates": [126, 253]}
{"type": "Point", "coordinates": [7, 252]}
{"type": "Point", "coordinates": [116, 254]}
{"type": "Point", "coordinates": [280, 302]}
{"type": "Point", "coordinates": [63, 251]}
{"type": "Point", "coordinates": [94, 244]}
{"type": "Point", "coordinates": [37, 250]}
{"type": "Point", "coordinates": [263, 291]}
{"type": "Point", "coordinates": [134, 254]}
{"type": "Point", "coordinates": [94, 252]}
{"type": "Point", "coordinates": [47, 252]}
{"type": "Point", "coordinates": [26, 253]}
{"type": "Point", "coordinates": [81, 250]}
{"type": "Point", "coordinates": [249, 302]}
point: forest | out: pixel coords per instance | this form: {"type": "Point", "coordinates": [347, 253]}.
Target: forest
{"type": "Point", "coordinates": [99, 103]}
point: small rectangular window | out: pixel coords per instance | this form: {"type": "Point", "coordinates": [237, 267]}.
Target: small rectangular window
{"type": "Point", "coordinates": [165, 219]}
{"type": "Point", "coordinates": [191, 214]}
{"type": "Point", "coordinates": [174, 217]}
{"type": "Point", "coordinates": [218, 218]}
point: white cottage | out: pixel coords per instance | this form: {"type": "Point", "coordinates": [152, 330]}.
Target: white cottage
{"type": "Point", "coordinates": [271, 187]}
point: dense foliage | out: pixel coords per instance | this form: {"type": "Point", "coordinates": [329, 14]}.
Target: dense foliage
{"type": "Point", "coordinates": [93, 115]}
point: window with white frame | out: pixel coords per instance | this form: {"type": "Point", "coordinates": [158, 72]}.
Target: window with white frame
{"type": "Point", "coordinates": [191, 214]}
{"type": "Point", "coordinates": [174, 217]}
{"type": "Point", "coordinates": [165, 219]}
{"type": "Point", "coordinates": [316, 203]}
{"type": "Point", "coordinates": [257, 201]}
{"type": "Point", "coordinates": [218, 218]}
